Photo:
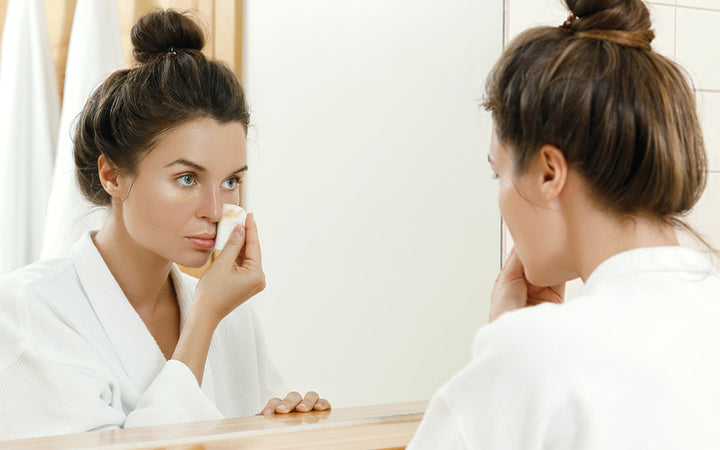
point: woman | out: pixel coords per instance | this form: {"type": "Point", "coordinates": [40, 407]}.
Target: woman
{"type": "Point", "coordinates": [113, 335]}
{"type": "Point", "coordinates": [599, 154]}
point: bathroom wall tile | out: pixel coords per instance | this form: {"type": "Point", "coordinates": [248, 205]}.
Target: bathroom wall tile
{"type": "Point", "coordinates": [705, 218]}
{"type": "Point", "coordinates": [524, 14]}
{"type": "Point", "coordinates": [697, 46]}
{"type": "Point", "coordinates": [709, 111]}
{"type": "Point", "coordinates": [708, 4]}
{"type": "Point", "coordinates": [663, 20]}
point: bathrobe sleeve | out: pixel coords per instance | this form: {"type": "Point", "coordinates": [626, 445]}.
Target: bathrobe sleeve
{"type": "Point", "coordinates": [173, 397]}
{"type": "Point", "coordinates": [44, 395]}
{"type": "Point", "coordinates": [54, 381]}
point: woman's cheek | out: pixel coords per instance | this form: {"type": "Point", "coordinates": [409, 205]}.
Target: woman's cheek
{"type": "Point", "coordinates": [503, 203]}
{"type": "Point", "coordinates": [178, 194]}
{"type": "Point", "coordinates": [232, 197]}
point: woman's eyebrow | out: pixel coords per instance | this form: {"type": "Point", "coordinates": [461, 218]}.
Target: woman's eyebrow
{"type": "Point", "coordinates": [198, 167]}
{"type": "Point", "coordinates": [184, 161]}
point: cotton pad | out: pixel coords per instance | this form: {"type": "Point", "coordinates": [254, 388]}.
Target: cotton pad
{"type": "Point", "coordinates": [232, 215]}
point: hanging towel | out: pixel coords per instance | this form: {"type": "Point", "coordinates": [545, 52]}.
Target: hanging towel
{"type": "Point", "coordinates": [29, 113]}
{"type": "Point", "coordinates": [95, 51]}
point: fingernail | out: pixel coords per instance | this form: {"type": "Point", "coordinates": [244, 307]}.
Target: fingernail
{"type": "Point", "coordinates": [267, 412]}
{"type": "Point", "coordinates": [282, 408]}
{"type": "Point", "coordinates": [302, 407]}
{"type": "Point", "coordinates": [239, 230]}
{"type": "Point", "coordinates": [321, 404]}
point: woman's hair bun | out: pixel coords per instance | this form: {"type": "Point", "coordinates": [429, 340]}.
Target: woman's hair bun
{"type": "Point", "coordinates": [160, 32]}
{"type": "Point", "coordinates": [626, 22]}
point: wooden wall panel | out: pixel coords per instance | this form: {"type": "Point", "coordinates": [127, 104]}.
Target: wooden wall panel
{"type": "Point", "coordinates": [3, 8]}
{"type": "Point", "coordinates": [222, 20]}
{"type": "Point", "coordinates": [227, 22]}
{"type": "Point", "coordinates": [59, 14]}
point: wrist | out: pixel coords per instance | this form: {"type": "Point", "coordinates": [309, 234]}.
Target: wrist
{"type": "Point", "coordinates": [202, 318]}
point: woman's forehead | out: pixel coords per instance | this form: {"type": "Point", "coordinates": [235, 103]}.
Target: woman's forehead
{"type": "Point", "coordinates": [205, 142]}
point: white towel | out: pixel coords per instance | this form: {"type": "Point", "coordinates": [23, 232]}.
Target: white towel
{"type": "Point", "coordinates": [29, 113]}
{"type": "Point", "coordinates": [95, 51]}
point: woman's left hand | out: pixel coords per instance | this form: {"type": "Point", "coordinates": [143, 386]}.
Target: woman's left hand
{"type": "Point", "coordinates": [294, 402]}
{"type": "Point", "coordinates": [512, 290]}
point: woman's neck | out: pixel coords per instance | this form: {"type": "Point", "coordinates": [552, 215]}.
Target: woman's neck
{"type": "Point", "coordinates": [600, 236]}
{"type": "Point", "coordinates": [142, 275]}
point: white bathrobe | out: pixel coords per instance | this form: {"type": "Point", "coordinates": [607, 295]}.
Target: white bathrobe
{"type": "Point", "coordinates": [633, 362]}
{"type": "Point", "coordinates": [75, 356]}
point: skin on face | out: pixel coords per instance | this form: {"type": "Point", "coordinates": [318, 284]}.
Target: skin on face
{"type": "Point", "coordinates": [172, 205]}
{"type": "Point", "coordinates": [531, 207]}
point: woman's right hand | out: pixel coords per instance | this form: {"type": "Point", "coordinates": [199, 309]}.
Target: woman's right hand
{"type": "Point", "coordinates": [235, 275]}
{"type": "Point", "coordinates": [512, 290]}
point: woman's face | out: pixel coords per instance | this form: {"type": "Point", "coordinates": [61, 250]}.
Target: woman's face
{"type": "Point", "coordinates": [535, 225]}
{"type": "Point", "coordinates": [174, 202]}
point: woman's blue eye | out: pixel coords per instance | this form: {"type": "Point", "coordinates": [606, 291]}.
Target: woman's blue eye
{"type": "Point", "coordinates": [231, 183]}
{"type": "Point", "coordinates": [186, 180]}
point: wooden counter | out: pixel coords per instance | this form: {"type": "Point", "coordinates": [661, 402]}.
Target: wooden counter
{"type": "Point", "coordinates": [368, 427]}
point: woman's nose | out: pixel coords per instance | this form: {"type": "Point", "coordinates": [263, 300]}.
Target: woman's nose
{"type": "Point", "coordinates": [211, 206]}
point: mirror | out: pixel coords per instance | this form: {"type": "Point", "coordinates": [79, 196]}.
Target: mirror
{"type": "Point", "coordinates": [368, 176]}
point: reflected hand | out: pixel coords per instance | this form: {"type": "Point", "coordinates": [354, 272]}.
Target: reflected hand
{"type": "Point", "coordinates": [294, 402]}
{"type": "Point", "coordinates": [234, 276]}
{"type": "Point", "coordinates": [513, 291]}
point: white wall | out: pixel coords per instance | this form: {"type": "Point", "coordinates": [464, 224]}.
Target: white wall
{"type": "Point", "coordinates": [370, 183]}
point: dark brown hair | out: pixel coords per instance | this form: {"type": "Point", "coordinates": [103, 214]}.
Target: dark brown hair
{"type": "Point", "coordinates": [172, 83]}
{"type": "Point", "coordinates": [623, 115]}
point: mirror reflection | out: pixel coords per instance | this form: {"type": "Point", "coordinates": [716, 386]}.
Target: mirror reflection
{"type": "Point", "coordinates": [351, 133]}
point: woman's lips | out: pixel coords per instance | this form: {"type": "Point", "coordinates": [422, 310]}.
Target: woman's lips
{"type": "Point", "coordinates": [202, 243]}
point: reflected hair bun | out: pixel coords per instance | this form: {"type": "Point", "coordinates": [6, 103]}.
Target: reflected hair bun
{"type": "Point", "coordinates": [160, 33]}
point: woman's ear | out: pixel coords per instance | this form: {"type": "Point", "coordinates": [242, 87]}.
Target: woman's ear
{"type": "Point", "coordinates": [109, 177]}
{"type": "Point", "coordinates": [552, 172]}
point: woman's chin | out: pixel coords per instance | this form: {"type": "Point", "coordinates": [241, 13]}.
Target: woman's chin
{"type": "Point", "coordinates": [196, 261]}
{"type": "Point", "coordinates": [545, 278]}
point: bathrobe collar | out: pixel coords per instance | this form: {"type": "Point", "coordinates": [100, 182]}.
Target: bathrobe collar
{"type": "Point", "coordinates": [134, 346]}
{"type": "Point", "coordinates": [676, 259]}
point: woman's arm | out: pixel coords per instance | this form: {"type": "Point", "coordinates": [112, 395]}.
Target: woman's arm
{"type": "Point", "coordinates": [233, 278]}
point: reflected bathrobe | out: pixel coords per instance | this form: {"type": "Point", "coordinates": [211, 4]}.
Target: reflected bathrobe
{"type": "Point", "coordinates": [633, 362]}
{"type": "Point", "coordinates": [75, 356]}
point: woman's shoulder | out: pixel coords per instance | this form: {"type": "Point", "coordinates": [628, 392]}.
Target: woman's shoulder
{"type": "Point", "coordinates": [545, 336]}
{"type": "Point", "coordinates": [48, 275]}
{"type": "Point", "coordinates": [526, 330]}
{"type": "Point", "coordinates": [39, 296]}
